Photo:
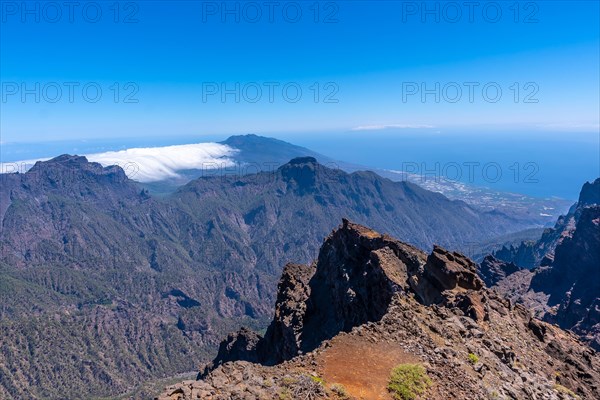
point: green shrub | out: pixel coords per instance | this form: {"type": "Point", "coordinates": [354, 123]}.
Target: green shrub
{"type": "Point", "coordinates": [408, 381]}
{"type": "Point", "coordinates": [339, 390]}
{"type": "Point", "coordinates": [318, 380]}
{"type": "Point", "coordinates": [473, 358]}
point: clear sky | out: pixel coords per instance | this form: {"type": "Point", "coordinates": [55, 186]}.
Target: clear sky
{"type": "Point", "coordinates": [358, 64]}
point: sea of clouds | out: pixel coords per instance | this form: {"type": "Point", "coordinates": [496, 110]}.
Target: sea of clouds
{"type": "Point", "coordinates": [152, 164]}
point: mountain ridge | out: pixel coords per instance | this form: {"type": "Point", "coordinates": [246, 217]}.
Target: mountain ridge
{"type": "Point", "coordinates": [104, 259]}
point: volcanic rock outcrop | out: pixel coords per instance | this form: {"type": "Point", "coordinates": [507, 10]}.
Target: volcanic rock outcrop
{"type": "Point", "coordinates": [370, 302]}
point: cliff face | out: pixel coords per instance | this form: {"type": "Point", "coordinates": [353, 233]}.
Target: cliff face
{"type": "Point", "coordinates": [357, 274]}
{"type": "Point", "coordinates": [532, 254]}
{"type": "Point", "coordinates": [565, 287]}
{"type": "Point", "coordinates": [590, 194]}
{"type": "Point", "coordinates": [573, 279]}
{"type": "Point", "coordinates": [493, 270]}
{"type": "Point", "coordinates": [370, 302]}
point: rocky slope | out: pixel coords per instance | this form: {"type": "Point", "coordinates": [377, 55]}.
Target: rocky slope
{"type": "Point", "coordinates": [573, 279]}
{"type": "Point", "coordinates": [565, 286]}
{"type": "Point", "coordinates": [97, 272]}
{"type": "Point", "coordinates": [371, 302]}
{"type": "Point", "coordinates": [533, 253]}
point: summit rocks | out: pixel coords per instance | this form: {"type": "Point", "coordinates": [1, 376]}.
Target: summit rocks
{"type": "Point", "coordinates": [377, 301]}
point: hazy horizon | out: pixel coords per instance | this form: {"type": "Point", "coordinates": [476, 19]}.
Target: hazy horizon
{"type": "Point", "coordinates": [545, 164]}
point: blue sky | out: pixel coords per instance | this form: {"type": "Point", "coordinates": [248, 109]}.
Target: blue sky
{"type": "Point", "coordinates": [365, 55]}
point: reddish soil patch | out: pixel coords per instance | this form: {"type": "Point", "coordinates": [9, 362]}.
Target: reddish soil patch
{"type": "Point", "coordinates": [363, 367]}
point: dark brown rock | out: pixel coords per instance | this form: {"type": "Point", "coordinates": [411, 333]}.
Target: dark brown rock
{"type": "Point", "coordinates": [493, 270]}
{"type": "Point", "coordinates": [239, 346]}
{"type": "Point", "coordinates": [282, 339]}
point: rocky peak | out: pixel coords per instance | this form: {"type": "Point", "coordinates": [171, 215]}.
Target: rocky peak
{"type": "Point", "coordinates": [532, 254]}
{"type": "Point", "coordinates": [284, 334]}
{"type": "Point", "coordinates": [237, 346]}
{"type": "Point", "coordinates": [450, 279]}
{"type": "Point", "coordinates": [303, 160]}
{"type": "Point", "coordinates": [69, 170]}
{"type": "Point", "coordinates": [356, 276]}
{"type": "Point", "coordinates": [68, 159]}
{"type": "Point", "coordinates": [590, 193]}
{"type": "Point", "coordinates": [370, 302]}
{"type": "Point", "coordinates": [358, 271]}
{"type": "Point", "coordinates": [301, 173]}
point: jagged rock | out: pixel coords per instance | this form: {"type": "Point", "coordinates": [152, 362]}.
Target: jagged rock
{"type": "Point", "coordinates": [565, 287]}
{"type": "Point", "coordinates": [538, 328]}
{"type": "Point", "coordinates": [239, 346]}
{"type": "Point", "coordinates": [452, 270]}
{"type": "Point", "coordinates": [590, 194]}
{"type": "Point", "coordinates": [374, 301]}
{"type": "Point", "coordinates": [443, 273]}
{"type": "Point", "coordinates": [357, 273]}
{"type": "Point", "coordinates": [493, 270]}
{"type": "Point", "coordinates": [532, 254]}
{"type": "Point", "coordinates": [573, 279]}
{"type": "Point", "coordinates": [282, 339]}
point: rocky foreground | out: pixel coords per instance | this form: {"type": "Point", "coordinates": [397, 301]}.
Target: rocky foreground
{"type": "Point", "coordinates": [370, 303]}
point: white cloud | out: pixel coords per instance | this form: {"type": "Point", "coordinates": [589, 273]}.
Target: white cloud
{"type": "Point", "coordinates": [399, 126]}
{"type": "Point", "coordinates": [594, 126]}
{"type": "Point", "coordinates": [153, 164]}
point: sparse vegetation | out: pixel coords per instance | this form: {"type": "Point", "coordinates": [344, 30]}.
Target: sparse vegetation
{"type": "Point", "coordinates": [408, 381]}
{"type": "Point", "coordinates": [284, 394]}
{"type": "Point", "coordinates": [302, 387]}
{"type": "Point", "coordinates": [564, 390]}
{"type": "Point", "coordinates": [340, 391]}
{"type": "Point", "coordinates": [317, 380]}
{"type": "Point", "coordinates": [288, 381]}
{"type": "Point", "coordinates": [473, 358]}
{"type": "Point", "coordinates": [494, 395]}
